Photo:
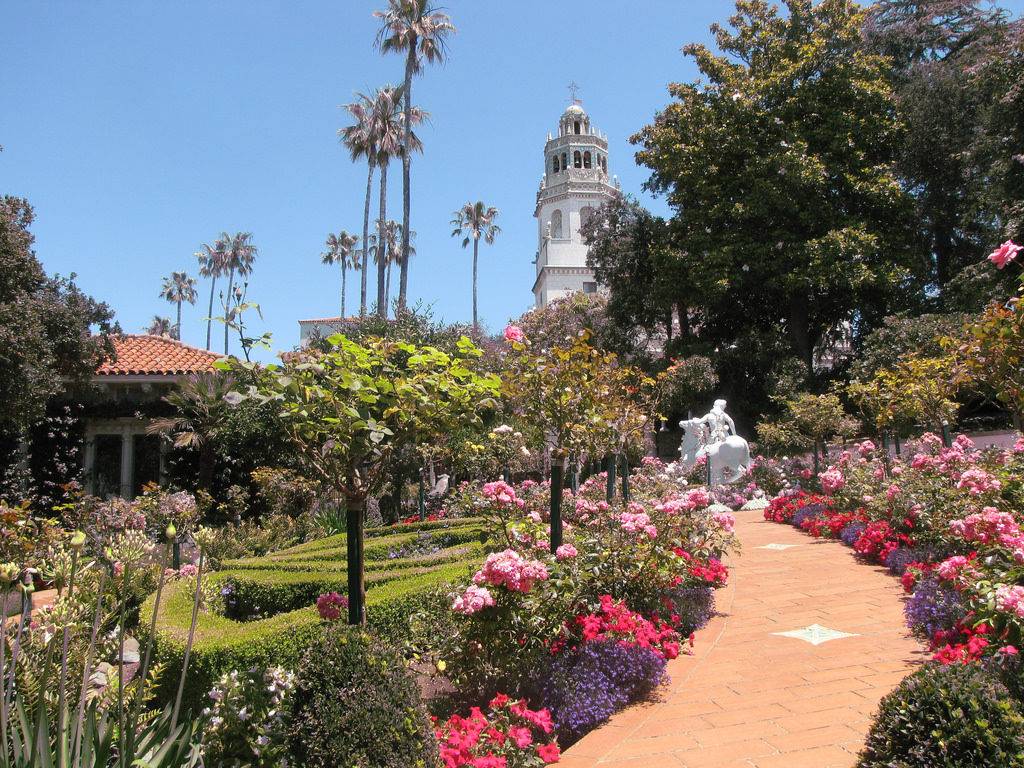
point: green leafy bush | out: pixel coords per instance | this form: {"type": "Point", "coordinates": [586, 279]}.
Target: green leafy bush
{"type": "Point", "coordinates": [357, 705]}
{"type": "Point", "coordinates": [947, 717]}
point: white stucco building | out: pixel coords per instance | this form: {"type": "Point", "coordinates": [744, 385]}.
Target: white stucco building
{"type": "Point", "coordinates": [574, 184]}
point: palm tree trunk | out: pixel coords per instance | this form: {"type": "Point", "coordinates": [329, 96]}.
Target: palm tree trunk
{"type": "Point", "coordinates": [209, 311]}
{"type": "Point", "coordinates": [227, 306]}
{"type": "Point", "coordinates": [382, 245]}
{"type": "Point", "coordinates": [366, 237]}
{"type": "Point", "coordinates": [403, 279]}
{"type": "Point", "coordinates": [177, 328]}
{"type": "Point", "coordinates": [387, 286]}
{"type": "Point", "coordinates": [476, 248]}
{"type": "Point", "coordinates": [343, 270]}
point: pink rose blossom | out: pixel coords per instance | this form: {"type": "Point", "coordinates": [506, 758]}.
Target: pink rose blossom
{"type": "Point", "coordinates": [514, 334]}
{"type": "Point", "coordinates": [474, 599]}
{"type": "Point", "coordinates": [566, 552]}
{"type": "Point", "coordinates": [1004, 254]}
{"type": "Point", "coordinates": [511, 570]}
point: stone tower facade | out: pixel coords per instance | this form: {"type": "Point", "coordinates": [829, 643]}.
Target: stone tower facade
{"type": "Point", "coordinates": [575, 183]}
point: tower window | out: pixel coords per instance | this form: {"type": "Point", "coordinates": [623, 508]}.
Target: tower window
{"type": "Point", "coordinates": [556, 224]}
{"type": "Point", "coordinates": [565, 161]}
{"type": "Point", "coordinates": [589, 287]}
{"type": "Point", "coordinates": [554, 164]}
{"type": "Point", "coordinates": [586, 159]}
{"type": "Point", "coordinates": [577, 159]}
{"type": "Point", "coordinates": [576, 127]}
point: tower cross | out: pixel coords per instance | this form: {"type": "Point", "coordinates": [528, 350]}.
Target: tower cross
{"type": "Point", "coordinates": [574, 90]}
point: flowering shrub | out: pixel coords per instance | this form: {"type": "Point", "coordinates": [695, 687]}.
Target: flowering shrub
{"type": "Point", "coordinates": [510, 735]}
{"type": "Point", "coordinates": [613, 620]}
{"type": "Point", "coordinates": [583, 687]}
{"type": "Point", "coordinates": [248, 718]}
{"type": "Point", "coordinates": [331, 605]}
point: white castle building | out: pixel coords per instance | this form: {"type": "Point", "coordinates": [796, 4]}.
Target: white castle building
{"type": "Point", "coordinates": [574, 184]}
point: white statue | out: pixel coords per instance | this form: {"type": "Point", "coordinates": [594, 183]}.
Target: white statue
{"type": "Point", "coordinates": [714, 436]}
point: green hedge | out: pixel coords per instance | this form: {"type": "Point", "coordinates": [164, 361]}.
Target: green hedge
{"type": "Point", "coordinates": [285, 592]}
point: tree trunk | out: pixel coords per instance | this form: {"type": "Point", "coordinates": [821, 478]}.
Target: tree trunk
{"type": "Point", "coordinates": [403, 276]}
{"type": "Point", "coordinates": [209, 312]}
{"type": "Point", "coordinates": [476, 247]}
{"type": "Point", "coordinates": [344, 270]}
{"type": "Point", "coordinates": [799, 332]}
{"type": "Point", "coordinates": [227, 306]}
{"type": "Point", "coordinates": [177, 326]}
{"type": "Point", "coordinates": [609, 491]}
{"type": "Point", "coordinates": [366, 238]}
{"type": "Point", "coordinates": [557, 468]}
{"type": "Point", "coordinates": [354, 524]}
{"type": "Point", "coordinates": [387, 286]}
{"type": "Point", "coordinates": [382, 246]}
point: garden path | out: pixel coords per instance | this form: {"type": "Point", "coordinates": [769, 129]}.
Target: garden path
{"type": "Point", "coordinates": [751, 697]}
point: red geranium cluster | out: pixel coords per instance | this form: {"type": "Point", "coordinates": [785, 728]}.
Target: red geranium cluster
{"type": "Point", "coordinates": [962, 644]}
{"type": "Point", "coordinates": [510, 735]}
{"type": "Point", "coordinates": [782, 508]}
{"type": "Point", "coordinates": [712, 571]}
{"type": "Point", "coordinates": [615, 621]}
{"type": "Point", "coordinates": [879, 539]}
{"type": "Point", "coordinates": [830, 524]}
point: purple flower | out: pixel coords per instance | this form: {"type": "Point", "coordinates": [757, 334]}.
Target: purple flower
{"type": "Point", "coordinates": [851, 532]}
{"type": "Point", "coordinates": [932, 607]}
{"type": "Point", "coordinates": [806, 513]}
{"type": "Point", "coordinates": [898, 560]}
{"type": "Point", "coordinates": [583, 688]}
{"type": "Point", "coordinates": [695, 605]}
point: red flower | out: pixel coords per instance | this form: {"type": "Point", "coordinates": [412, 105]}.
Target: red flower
{"type": "Point", "coordinates": [549, 753]}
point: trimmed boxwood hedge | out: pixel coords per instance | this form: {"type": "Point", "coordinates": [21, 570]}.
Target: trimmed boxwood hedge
{"type": "Point", "coordinates": [285, 593]}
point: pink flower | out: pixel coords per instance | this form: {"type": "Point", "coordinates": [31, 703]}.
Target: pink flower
{"type": "Point", "coordinates": [1004, 254]}
{"type": "Point", "coordinates": [548, 753]}
{"type": "Point", "coordinates": [471, 601]}
{"type": "Point", "coordinates": [521, 736]}
{"type": "Point", "coordinates": [566, 552]}
{"type": "Point", "coordinates": [865, 448]}
{"type": "Point", "coordinates": [330, 605]}
{"type": "Point", "coordinates": [950, 568]}
{"type": "Point", "coordinates": [726, 520]}
{"type": "Point", "coordinates": [1010, 599]}
{"type": "Point", "coordinates": [187, 571]}
{"type": "Point", "coordinates": [514, 334]}
{"type": "Point", "coordinates": [510, 570]}
{"type": "Point", "coordinates": [1008, 650]}
{"type": "Point", "coordinates": [831, 480]}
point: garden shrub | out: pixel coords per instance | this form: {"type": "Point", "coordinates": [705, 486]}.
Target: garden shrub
{"type": "Point", "coordinates": [274, 598]}
{"type": "Point", "coordinates": [584, 687]}
{"type": "Point", "coordinates": [356, 705]}
{"type": "Point", "coordinates": [949, 716]}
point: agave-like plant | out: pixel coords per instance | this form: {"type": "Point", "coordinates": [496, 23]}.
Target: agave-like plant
{"type": "Point", "coordinates": [89, 734]}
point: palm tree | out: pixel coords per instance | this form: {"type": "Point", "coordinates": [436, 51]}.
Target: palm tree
{"type": "Point", "coordinates": [473, 221]}
{"type": "Point", "coordinates": [388, 132]}
{"type": "Point", "coordinates": [211, 265]}
{"type": "Point", "coordinates": [200, 409]}
{"type": "Point", "coordinates": [420, 31]}
{"type": "Point", "coordinates": [360, 140]}
{"type": "Point", "coordinates": [177, 288]}
{"type": "Point", "coordinates": [239, 254]}
{"type": "Point", "coordinates": [160, 326]}
{"type": "Point", "coordinates": [339, 251]}
{"type": "Point", "coordinates": [387, 248]}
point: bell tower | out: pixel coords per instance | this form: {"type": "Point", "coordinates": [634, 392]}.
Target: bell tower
{"type": "Point", "coordinates": [575, 183]}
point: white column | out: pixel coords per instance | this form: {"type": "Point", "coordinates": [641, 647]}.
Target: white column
{"type": "Point", "coordinates": [127, 460]}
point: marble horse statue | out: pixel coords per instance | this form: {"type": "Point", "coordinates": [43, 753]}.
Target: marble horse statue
{"type": "Point", "coordinates": [714, 436]}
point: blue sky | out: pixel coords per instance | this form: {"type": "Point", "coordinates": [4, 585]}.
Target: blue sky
{"type": "Point", "coordinates": [139, 130]}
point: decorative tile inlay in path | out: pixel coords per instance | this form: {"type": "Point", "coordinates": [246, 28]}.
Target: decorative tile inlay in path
{"type": "Point", "coordinates": [753, 698]}
{"type": "Point", "coordinates": [815, 634]}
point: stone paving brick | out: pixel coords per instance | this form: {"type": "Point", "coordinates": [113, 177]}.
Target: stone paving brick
{"type": "Point", "coordinates": [747, 698]}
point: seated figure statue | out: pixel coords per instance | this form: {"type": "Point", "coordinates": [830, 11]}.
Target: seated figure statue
{"type": "Point", "coordinates": [714, 436]}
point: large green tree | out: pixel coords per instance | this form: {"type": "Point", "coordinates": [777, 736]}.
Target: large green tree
{"type": "Point", "coordinates": [947, 95]}
{"type": "Point", "coordinates": [46, 325]}
{"type": "Point", "coordinates": [779, 163]}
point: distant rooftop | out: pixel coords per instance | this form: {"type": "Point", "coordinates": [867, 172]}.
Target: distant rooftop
{"type": "Point", "coordinates": [143, 355]}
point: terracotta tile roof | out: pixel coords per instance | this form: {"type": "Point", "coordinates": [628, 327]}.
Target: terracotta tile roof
{"type": "Point", "coordinates": [138, 355]}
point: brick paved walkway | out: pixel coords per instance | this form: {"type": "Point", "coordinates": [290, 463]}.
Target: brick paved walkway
{"type": "Point", "coordinates": [751, 698]}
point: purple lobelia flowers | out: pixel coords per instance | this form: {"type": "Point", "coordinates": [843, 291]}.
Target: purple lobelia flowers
{"type": "Point", "coordinates": [932, 607]}
{"type": "Point", "coordinates": [584, 687]}
{"type": "Point", "coordinates": [806, 513]}
{"type": "Point", "coordinates": [898, 560]}
{"type": "Point", "coordinates": [851, 532]}
{"type": "Point", "coordinates": [694, 605]}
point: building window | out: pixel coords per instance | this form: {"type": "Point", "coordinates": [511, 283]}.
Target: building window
{"type": "Point", "coordinates": [604, 163]}
{"type": "Point", "coordinates": [590, 287]}
{"type": "Point", "coordinates": [576, 127]}
{"type": "Point", "coordinates": [585, 213]}
{"type": "Point", "coordinates": [577, 159]}
{"type": "Point", "coordinates": [554, 164]}
{"type": "Point", "coordinates": [565, 161]}
{"type": "Point", "coordinates": [586, 160]}
{"type": "Point", "coordinates": [556, 224]}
